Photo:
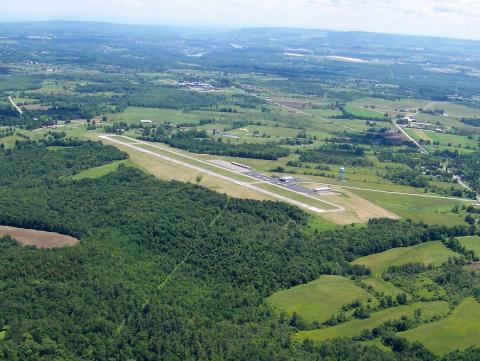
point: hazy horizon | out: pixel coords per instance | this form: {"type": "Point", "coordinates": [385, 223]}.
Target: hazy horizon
{"type": "Point", "coordinates": [422, 17]}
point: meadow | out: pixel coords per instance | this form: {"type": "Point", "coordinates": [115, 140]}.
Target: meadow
{"type": "Point", "coordinates": [458, 331]}
{"type": "Point", "coordinates": [429, 253]}
{"type": "Point", "coordinates": [320, 299]}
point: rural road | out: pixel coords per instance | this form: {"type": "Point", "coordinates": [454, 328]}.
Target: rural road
{"type": "Point", "coordinates": [15, 105]}
{"type": "Point", "coordinates": [422, 149]}
{"type": "Point", "coordinates": [114, 139]}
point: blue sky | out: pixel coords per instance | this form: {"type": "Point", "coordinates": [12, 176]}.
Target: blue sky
{"type": "Point", "coordinates": [459, 18]}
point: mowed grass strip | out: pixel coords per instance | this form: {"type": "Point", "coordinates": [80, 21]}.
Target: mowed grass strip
{"type": "Point", "coordinates": [355, 327]}
{"type": "Point", "coordinates": [428, 253]}
{"type": "Point", "coordinates": [320, 299]}
{"type": "Point", "coordinates": [100, 171]}
{"type": "Point", "coordinates": [458, 331]}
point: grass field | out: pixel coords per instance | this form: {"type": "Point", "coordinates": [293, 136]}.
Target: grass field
{"type": "Point", "coordinates": [320, 299]}
{"type": "Point", "coordinates": [428, 210]}
{"type": "Point", "coordinates": [355, 327]}
{"type": "Point", "coordinates": [156, 115]}
{"type": "Point", "coordinates": [458, 331]}
{"type": "Point", "coordinates": [427, 253]}
{"type": "Point", "coordinates": [39, 239]}
{"type": "Point", "coordinates": [471, 243]}
{"type": "Point", "coordinates": [100, 171]}
{"type": "Point", "coordinates": [363, 112]}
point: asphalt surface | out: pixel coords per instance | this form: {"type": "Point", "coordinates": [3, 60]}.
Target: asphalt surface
{"type": "Point", "coordinates": [286, 184]}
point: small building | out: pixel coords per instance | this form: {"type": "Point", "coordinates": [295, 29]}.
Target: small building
{"type": "Point", "coordinates": [146, 121]}
{"type": "Point", "coordinates": [287, 178]}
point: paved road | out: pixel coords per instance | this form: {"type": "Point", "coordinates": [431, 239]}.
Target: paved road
{"type": "Point", "coordinates": [15, 105]}
{"type": "Point", "coordinates": [115, 139]}
{"type": "Point", "coordinates": [400, 128]}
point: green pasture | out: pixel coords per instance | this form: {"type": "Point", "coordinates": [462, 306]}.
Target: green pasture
{"type": "Point", "coordinates": [456, 332]}
{"type": "Point", "coordinates": [433, 252]}
{"type": "Point", "coordinates": [320, 299]}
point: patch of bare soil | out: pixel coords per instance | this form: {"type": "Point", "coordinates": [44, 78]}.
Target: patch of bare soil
{"type": "Point", "coordinates": [39, 239]}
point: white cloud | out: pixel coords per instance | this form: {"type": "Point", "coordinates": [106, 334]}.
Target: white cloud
{"type": "Point", "coordinates": [459, 18]}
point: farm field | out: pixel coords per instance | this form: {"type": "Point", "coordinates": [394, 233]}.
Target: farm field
{"type": "Point", "coordinates": [39, 239]}
{"type": "Point", "coordinates": [320, 299]}
{"type": "Point", "coordinates": [429, 253]}
{"type": "Point", "coordinates": [456, 332]}
{"type": "Point", "coordinates": [355, 327]}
